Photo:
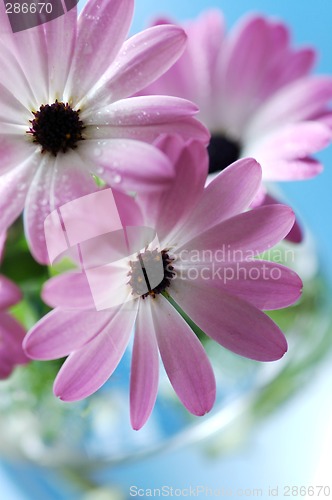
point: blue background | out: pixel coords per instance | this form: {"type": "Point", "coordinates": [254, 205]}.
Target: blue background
{"type": "Point", "coordinates": [286, 448]}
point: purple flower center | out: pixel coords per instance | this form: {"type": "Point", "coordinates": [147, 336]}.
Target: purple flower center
{"type": "Point", "coordinates": [146, 269]}
{"type": "Point", "coordinates": [56, 127]}
{"type": "Point", "coordinates": [222, 152]}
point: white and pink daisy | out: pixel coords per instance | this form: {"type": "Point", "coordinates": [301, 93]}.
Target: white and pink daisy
{"type": "Point", "coordinates": [11, 332]}
{"type": "Point", "coordinates": [196, 226]}
{"type": "Point", "coordinates": [256, 94]}
{"type": "Point", "coordinates": [65, 115]}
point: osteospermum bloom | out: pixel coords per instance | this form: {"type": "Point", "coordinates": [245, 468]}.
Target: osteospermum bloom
{"type": "Point", "coordinates": [11, 332]}
{"type": "Point", "coordinates": [256, 95]}
{"type": "Point", "coordinates": [188, 218]}
{"type": "Point", "coordinates": [64, 112]}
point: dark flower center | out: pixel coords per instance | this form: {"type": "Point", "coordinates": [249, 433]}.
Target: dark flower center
{"type": "Point", "coordinates": [222, 152]}
{"type": "Point", "coordinates": [146, 270]}
{"type": "Point", "coordinates": [56, 127]}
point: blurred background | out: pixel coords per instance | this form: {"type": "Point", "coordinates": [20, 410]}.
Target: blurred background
{"type": "Point", "coordinates": [289, 446]}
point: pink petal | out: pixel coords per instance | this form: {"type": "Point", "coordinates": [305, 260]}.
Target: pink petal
{"type": "Point", "coordinates": [291, 170]}
{"type": "Point", "coordinates": [11, 70]}
{"type": "Point", "coordinates": [300, 64]}
{"type": "Point", "coordinates": [293, 141]}
{"type": "Point", "coordinates": [295, 235]}
{"type": "Point", "coordinates": [10, 293]}
{"type": "Point", "coordinates": [87, 369]}
{"type": "Point", "coordinates": [169, 207]}
{"type": "Point", "coordinates": [68, 290]}
{"type": "Point", "coordinates": [129, 211]}
{"type": "Point", "coordinates": [230, 321]}
{"type": "Point", "coordinates": [14, 186]}
{"type": "Point", "coordinates": [205, 42]}
{"type": "Point", "coordinates": [61, 39]}
{"type": "Point", "coordinates": [6, 365]}
{"type": "Point", "coordinates": [266, 285]}
{"type": "Point", "coordinates": [3, 236]}
{"type": "Point", "coordinates": [142, 59]}
{"type": "Point", "coordinates": [12, 111]}
{"type": "Point", "coordinates": [300, 100]}
{"type": "Point", "coordinates": [60, 180]}
{"type": "Point", "coordinates": [62, 331]}
{"type": "Point", "coordinates": [199, 62]}
{"type": "Point", "coordinates": [188, 128]}
{"type": "Point", "coordinates": [184, 358]}
{"type": "Point", "coordinates": [230, 193]}
{"type": "Point", "coordinates": [30, 50]}
{"type": "Point", "coordinates": [14, 151]}
{"type": "Point", "coordinates": [247, 53]}
{"type": "Point", "coordinates": [141, 111]}
{"type": "Point", "coordinates": [127, 163]}
{"type": "Point", "coordinates": [245, 235]}
{"type": "Point", "coordinates": [11, 336]}
{"type": "Point", "coordinates": [144, 368]}
{"type": "Point", "coordinates": [102, 28]}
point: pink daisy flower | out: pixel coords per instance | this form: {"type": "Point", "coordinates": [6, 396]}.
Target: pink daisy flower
{"type": "Point", "coordinates": [194, 224]}
{"type": "Point", "coordinates": [11, 332]}
{"type": "Point", "coordinates": [256, 95]}
{"type": "Point", "coordinates": [65, 113]}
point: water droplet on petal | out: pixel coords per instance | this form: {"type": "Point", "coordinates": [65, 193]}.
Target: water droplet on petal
{"type": "Point", "coordinates": [117, 178]}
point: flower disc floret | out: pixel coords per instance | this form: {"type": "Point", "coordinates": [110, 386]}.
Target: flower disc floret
{"type": "Point", "coordinates": [56, 127]}
{"type": "Point", "coordinates": [140, 278]}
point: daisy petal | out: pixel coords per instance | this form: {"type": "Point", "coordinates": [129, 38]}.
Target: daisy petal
{"type": "Point", "coordinates": [245, 235]}
{"type": "Point", "coordinates": [291, 170]}
{"type": "Point", "coordinates": [246, 54]}
{"type": "Point", "coordinates": [231, 191]}
{"type": "Point", "coordinates": [102, 28]}
{"type": "Point", "coordinates": [63, 331]}
{"type": "Point", "coordinates": [60, 179]}
{"type": "Point", "coordinates": [143, 164]}
{"type": "Point", "coordinates": [30, 50]}
{"type": "Point", "coordinates": [292, 142]}
{"type": "Point", "coordinates": [14, 186]}
{"type": "Point", "coordinates": [295, 235]}
{"type": "Point", "coordinates": [86, 370]}
{"type": "Point", "coordinates": [300, 64]}
{"type": "Point", "coordinates": [301, 100]}
{"type": "Point", "coordinates": [142, 59]}
{"type": "Point", "coordinates": [68, 290]}
{"type": "Point", "coordinates": [13, 152]}
{"type": "Point", "coordinates": [141, 111]}
{"type": "Point", "coordinates": [10, 293]}
{"type": "Point", "coordinates": [255, 336]}
{"type": "Point", "coordinates": [172, 205]}
{"type": "Point", "coordinates": [188, 128]}
{"type": "Point", "coordinates": [11, 334]}
{"type": "Point", "coordinates": [144, 368]}
{"type": "Point", "coordinates": [266, 285]}
{"type": "Point", "coordinates": [61, 37]}
{"type": "Point", "coordinates": [184, 358]}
